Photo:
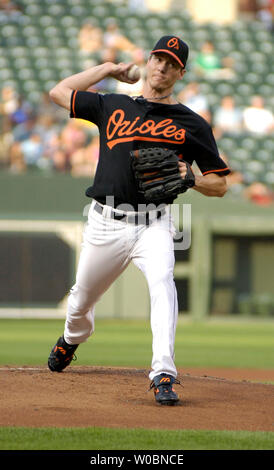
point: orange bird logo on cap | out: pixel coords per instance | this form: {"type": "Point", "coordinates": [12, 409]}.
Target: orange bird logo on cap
{"type": "Point", "coordinates": [173, 42]}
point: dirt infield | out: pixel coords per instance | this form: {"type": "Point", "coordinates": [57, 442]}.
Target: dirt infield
{"type": "Point", "coordinates": [114, 397]}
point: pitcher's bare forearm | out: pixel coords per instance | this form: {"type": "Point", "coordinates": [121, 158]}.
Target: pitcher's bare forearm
{"type": "Point", "coordinates": [82, 81]}
{"type": "Point", "coordinates": [208, 185]}
{"type": "Point", "coordinates": [211, 185]}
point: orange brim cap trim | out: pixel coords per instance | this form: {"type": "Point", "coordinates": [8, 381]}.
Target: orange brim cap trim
{"type": "Point", "coordinates": [170, 53]}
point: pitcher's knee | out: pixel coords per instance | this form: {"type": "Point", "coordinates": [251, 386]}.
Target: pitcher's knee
{"type": "Point", "coordinates": [79, 300]}
{"type": "Point", "coordinates": [161, 277]}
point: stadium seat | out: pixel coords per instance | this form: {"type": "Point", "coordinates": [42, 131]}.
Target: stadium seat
{"type": "Point", "coordinates": [241, 154]}
{"type": "Point", "coordinates": [269, 178]}
{"type": "Point", "coordinates": [224, 89]}
{"type": "Point", "coordinates": [268, 144]}
{"type": "Point", "coordinates": [46, 38]}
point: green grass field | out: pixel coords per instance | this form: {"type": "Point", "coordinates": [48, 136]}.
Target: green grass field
{"type": "Point", "coordinates": [128, 344]}
{"type": "Point", "coordinates": [130, 439]}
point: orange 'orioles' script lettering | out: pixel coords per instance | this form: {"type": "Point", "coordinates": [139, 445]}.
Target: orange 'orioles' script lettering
{"type": "Point", "coordinates": [120, 130]}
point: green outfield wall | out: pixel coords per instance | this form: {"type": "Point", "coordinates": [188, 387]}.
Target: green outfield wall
{"type": "Point", "coordinates": [225, 268]}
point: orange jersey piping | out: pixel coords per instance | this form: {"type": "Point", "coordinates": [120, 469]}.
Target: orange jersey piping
{"type": "Point", "coordinates": [214, 171]}
{"type": "Point", "coordinates": [73, 103]}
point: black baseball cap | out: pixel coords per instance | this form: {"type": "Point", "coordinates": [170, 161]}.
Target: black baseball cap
{"type": "Point", "coordinates": [173, 46]}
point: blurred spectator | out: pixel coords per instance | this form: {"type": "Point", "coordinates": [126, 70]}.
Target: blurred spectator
{"type": "Point", "coordinates": [23, 130]}
{"type": "Point", "coordinates": [260, 194]}
{"type": "Point", "coordinates": [192, 97]}
{"type": "Point", "coordinates": [208, 64]}
{"type": "Point", "coordinates": [32, 150]}
{"type": "Point", "coordinates": [17, 163]}
{"type": "Point", "coordinates": [72, 137]}
{"type": "Point", "coordinates": [93, 154]}
{"type": "Point", "coordinates": [51, 146]}
{"type": "Point", "coordinates": [8, 101]}
{"type": "Point", "coordinates": [48, 107]}
{"type": "Point", "coordinates": [265, 13]}
{"type": "Point", "coordinates": [158, 5]}
{"type": "Point", "coordinates": [61, 161]}
{"type": "Point", "coordinates": [256, 118]}
{"type": "Point", "coordinates": [43, 140]}
{"type": "Point", "coordinates": [46, 127]}
{"type": "Point", "coordinates": [9, 7]}
{"type": "Point", "coordinates": [79, 163]}
{"type": "Point", "coordinates": [137, 5]}
{"type": "Point", "coordinates": [247, 9]}
{"type": "Point", "coordinates": [22, 111]}
{"type": "Point", "coordinates": [116, 45]}
{"type": "Point", "coordinates": [90, 38]}
{"type": "Point", "coordinates": [256, 192]}
{"type": "Point", "coordinates": [235, 179]}
{"type": "Point", "coordinates": [207, 59]}
{"type": "Point", "coordinates": [84, 160]}
{"type": "Point", "coordinates": [6, 140]}
{"type": "Point", "coordinates": [227, 118]}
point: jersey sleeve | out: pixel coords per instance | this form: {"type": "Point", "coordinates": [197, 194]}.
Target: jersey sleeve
{"type": "Point", "coordinates": [87, 105]}
{"type": "Point", "coordinates": [207, 157]}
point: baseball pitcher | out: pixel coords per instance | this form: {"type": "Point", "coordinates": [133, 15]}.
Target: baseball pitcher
{"type": "Point", "coordinates": [147, 147]}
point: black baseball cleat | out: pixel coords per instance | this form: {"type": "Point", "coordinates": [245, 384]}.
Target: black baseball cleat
{"type": "Point", "coordinates": [163, 391]}
{"type": "Point", "coordinates": [61, 355]}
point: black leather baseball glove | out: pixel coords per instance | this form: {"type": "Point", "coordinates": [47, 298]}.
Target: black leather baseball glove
{"type": "Point", "coordinates": [157, 173]}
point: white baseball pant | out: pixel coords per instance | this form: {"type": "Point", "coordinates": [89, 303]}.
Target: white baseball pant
{"type": "Point", "coordinates": [108, 247]}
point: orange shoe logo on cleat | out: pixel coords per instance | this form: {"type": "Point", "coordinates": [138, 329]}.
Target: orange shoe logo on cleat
{"type": "Point", "coordinates": [165, 379]}
{"type": "Point", "coordinates": [62, 350]}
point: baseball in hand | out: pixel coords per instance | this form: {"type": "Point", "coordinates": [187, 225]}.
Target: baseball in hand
{"type": "Point", "coordinates": [134, 73]}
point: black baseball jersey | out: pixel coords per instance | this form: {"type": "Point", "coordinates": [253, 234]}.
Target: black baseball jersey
{"type": "Point", "coordinates": [125, 124]}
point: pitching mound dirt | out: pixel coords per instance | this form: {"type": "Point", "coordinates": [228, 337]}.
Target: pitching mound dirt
{"type": "Point", "coordinates": [112, 397]}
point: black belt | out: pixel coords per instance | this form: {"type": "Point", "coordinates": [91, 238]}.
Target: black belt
{"type": "Point", "coordinates": [145, 218]}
